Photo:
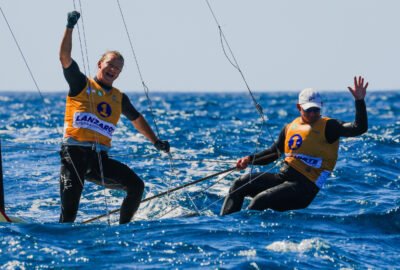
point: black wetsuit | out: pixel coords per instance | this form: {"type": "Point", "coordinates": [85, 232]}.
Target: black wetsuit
{"type": "Point", "coordinates": [288, 189]}
{"type": "Point", "coordinates": [85, 163]}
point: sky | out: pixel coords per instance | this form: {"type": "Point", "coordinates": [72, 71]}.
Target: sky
{"type": "Point", "coordinates": [279, 45]}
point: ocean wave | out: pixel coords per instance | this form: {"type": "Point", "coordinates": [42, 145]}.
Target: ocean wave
{"type": "Point", "coordinates": [352, 222]}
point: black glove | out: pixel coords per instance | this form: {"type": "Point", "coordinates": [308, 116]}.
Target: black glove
{"type": "Point", "coordinates": [72, 18]}
{"type": "Point", "coordinates": [162, 146]}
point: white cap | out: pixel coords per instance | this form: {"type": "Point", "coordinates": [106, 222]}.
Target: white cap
{"type": "Point", "coordinates": [310, 97]}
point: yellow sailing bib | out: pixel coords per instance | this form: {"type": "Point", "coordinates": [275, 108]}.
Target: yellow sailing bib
{"type": "Point", "coordinates": [93, 114]}
{"type": "Point", "coordinates": [308, 152]}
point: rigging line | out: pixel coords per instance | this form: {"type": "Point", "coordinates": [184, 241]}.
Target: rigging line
{"type": "Point", "coordinates": [145, 88]}
{"type": "Point", "coordinates": [167, 192]}
{"type": "Point", "coordinates": [84, 37]}
{"type": "Point", "coordinates": [91, 105]}
{"type": "Point", "coordinates": [80, 42]}
{"type": "Point", "coordinates": [236, 65]}
{"type": "Point", "coordinates": [255, 150]}
{"type": "Point", "coordinates": [213, 184]}
{"type": "Point", "coordinates": [180, 159]}
{"type": "Point", "coordinates": [30, 148]}
{"type": "Point", "coordinates": [104, 186]}
{"type": "Point", "coordinates": [224, 40]}
{"type": "Point", "coordinates": [211, 204]}
{"type": "Point", "coordinates": [200, 192]}
{"type": "Point", "coordinates": [146, 91]}
{"type": "Point", "coordinates": [127, 155]}
{"type": "Point", "coordinates": [37, 86]}
{"type": "Point", "coordinates": [30, 71]}
{"type": "Point", "coordinates": [130, 41]}
{"type": "Point", "coordinates": [26, 64]}
{"type": "Point", "coordinates": [187, 194]}
{"type": "Point", "coordinates": [171, 168]}
{"type": "Point", "coordinates": [181, 187]}
{"type": "Point", "coordinates": [97, 149]}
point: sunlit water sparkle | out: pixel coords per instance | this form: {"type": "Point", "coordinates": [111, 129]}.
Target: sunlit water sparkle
{"type": "Point", "coordinates": [354, 222]}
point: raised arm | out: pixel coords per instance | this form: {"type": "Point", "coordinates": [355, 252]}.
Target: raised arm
{"type": "Point", "coordinates": [66, 43]}
{"type": "Point", "coordinates": [359, 91]}
{"type": "Point", "coordinates": [337, 128]}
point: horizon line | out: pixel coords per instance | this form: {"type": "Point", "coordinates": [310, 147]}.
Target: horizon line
{"type": "Point", "coordinates": [203, 91]}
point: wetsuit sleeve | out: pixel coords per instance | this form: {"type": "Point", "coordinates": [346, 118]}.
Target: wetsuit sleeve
{"type": "Point", "coordinates": [277, 148]}
{"type": "Point", "coordinates": [336, 128]}
{"type": "Point", "coordinates": [75, 79]}
{"type": "Point", "coordinates": [128, 110]}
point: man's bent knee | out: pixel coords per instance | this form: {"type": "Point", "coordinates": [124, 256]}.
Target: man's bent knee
{"type": "Point", "coordinates": [136, 187]}
{"type": "Point", "coordinates": [239, 183]}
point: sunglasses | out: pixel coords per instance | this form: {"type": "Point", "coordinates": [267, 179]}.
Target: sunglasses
{"type": "Point", "coordinates": [312, 109]}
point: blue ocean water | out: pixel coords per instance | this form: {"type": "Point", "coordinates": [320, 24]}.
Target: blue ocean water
{"type": "Point", "coordinates": [353, 223]}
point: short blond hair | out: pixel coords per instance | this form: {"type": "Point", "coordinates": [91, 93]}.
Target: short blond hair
{"type": "Point", "coordinates": [117, 53]}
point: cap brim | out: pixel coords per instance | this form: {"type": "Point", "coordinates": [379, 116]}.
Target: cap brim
{"type": "Point", "coordinates": [308, 105]}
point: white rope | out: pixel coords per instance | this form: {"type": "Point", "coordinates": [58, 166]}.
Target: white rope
{"type": "Point", "coordinates": [92, 109]}
{"type": "Point", "coordinates": [200, 193]}
{"type": "Point", "coordinates": [205, 160]}
{"type": "Point", "coordinates": [146, 91]}
{"type": "Point", "coordinates": [37, 88]}
{"type": "Point", "coordinates": [232, 60]}
{"type": "Point", "coordinates": [249, 182]}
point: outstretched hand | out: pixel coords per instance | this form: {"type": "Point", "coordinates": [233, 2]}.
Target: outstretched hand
{"type": "Point", "coordinates": [242, 163]}
{"type": "Point", "coordinates": [72, 18]}
{"type": "Point", "coordinates": [359, 90]}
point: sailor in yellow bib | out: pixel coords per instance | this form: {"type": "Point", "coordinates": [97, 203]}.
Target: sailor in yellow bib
{"type": "Point", "coordinates": [92, 111]}
{"type": "Point", "coordinates": [93, 114]}
{"type": "Point", "coordinates": [308, 151]}
{"type": "Point", "coordinates": [310, 146]}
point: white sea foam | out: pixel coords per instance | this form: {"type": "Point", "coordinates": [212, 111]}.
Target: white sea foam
{"type": "Point", "coordinates": [5, 99]}
{"type": "Point", "coordinates": [305, 245]}
{"type": "Point", "coordinates": [14, 265]}
{"type": "Point", "coordinates": [248, 253]}
{"type": "Point", "coordinates": [282, 113]}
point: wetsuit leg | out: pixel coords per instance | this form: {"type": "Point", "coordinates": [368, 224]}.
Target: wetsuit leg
{"type": "Point", "coordinates": [247, 186]}
{"type": "Point", "coordinates": [119, 176]}
{"type": "Point", "coordinates": [71, 180]}
{"type": "Point", "coordinates": [289, 195]}
{"type": "Point", "coordinates": [295, 192]}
